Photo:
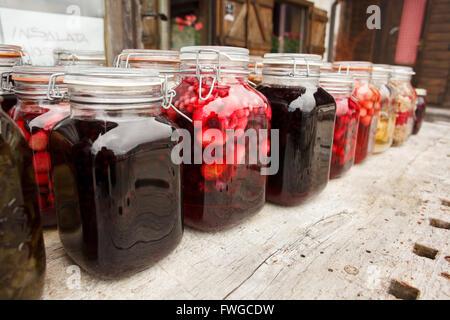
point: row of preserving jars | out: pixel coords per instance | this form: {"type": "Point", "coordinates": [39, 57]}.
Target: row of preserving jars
{"type": "Point", "coordinates": [96, 145]}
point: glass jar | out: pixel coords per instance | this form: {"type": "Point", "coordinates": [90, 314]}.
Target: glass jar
{"type": "Point", "coordinates": [118, 194]}
{"type": "Point", "coordinates": [79, 57]}
{"type": "Point", "coordinates": [215, 94]}
{"type": "Point", "coordinates": [340, 86]}
{"type": "Point", "coordinates": [369, 105]}
{"type": "Point", "coordinates": [404, 103]}
{"type": "Point", "coordinates": [304, 114]}
{"type": "Point", "coordinates": [255, 66]}
{"type": "Point", "coordinates": [167, 62]}
{"type": "Point", "coordinates": [421, 104]}
{"type": "Point", "coordinates": [386, 121]}
{"type": "Point", "coordinates": [9, 56]}
{"type": "Point", "coordinates": [22, 253]}
{"type": "Point", "coordinates": [36, 115]}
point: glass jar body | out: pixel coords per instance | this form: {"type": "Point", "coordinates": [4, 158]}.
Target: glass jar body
{"type": "Point", "coordinates": [386, 122]}
{"type": "Point", "coordinates": [304, 114]}
{"type": "Point", "coordinates": [22, 253]}
{"type": "Point", "coordinates": [420, 113]}
{"type": "Point", "coordinates": [36, 118]}
{"type": "Point", "coordinates": [345, 134]}
{"type": "Point", "coordinates": [118, 194]}
{"type": "Point", "coordinates": [7, 101]}
{"type": "Point", "coordinates": [219, 196]}
{"type": "Point", "coordinates": [404, 105]}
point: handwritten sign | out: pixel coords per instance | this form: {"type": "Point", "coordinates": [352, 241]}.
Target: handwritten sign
{"type": "Point", "coordinates": [40, 32]}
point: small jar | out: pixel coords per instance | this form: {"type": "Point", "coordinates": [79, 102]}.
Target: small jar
{"type": "Point", "coordinates": [118, 194]}
{"type": "Point", "coordinates": [304, 114]}
{"type": "Point", "coordinates": [214, 93]}
{"type": "Point", "coordinates": [369, 105]}
{"type": "Point", "coordinates": [22, 253]}
{"type": "Point", "coordinates": [386, 121]}
{"type": "Point", "coordinates": [36, 115]}
{"type": "Point", "coordinates": [255, 66]}
{"type": "Point", "coordinates": [421, 104]}
{"type": "Point", "coordinates": [79, 58]}
{"type": "Point", "coordinates": [340, 86]}
{"type": "Point", "coordinates": [9, 56]}
{"type": "Point", "coordinates": [167, 62]}
{"type": "Point", "coordinates": [404, 103]}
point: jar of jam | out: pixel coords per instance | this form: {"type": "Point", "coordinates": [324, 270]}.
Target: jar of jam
{"type": "Point", "coordinates": [255, 66]}
{"type": "Point", "coordinates": [386, 121]}
{"type": "Point", "coordinates": [167, 62]}
{"type": "Point", "coordinates": [404, 103]}
{"type": "Point", "coordinates": [340, 86]}
{"type": "Point", "coordinates": [36, 114]}
{"type": "Point", "coordinates": [421, 104]}
{"type": "Point", "coordinates": [303, 114]}
{"type": "Point", "coordinates": [79, 57]}
{"type": "Point", "coordinates": [22, 253]}
{"type": "Point", "coordinates": [118, 194]}
{"type": "Point", "coordinates": [369, 103]}
{"type": "Point", "coordinates": [232, 118]}
{"type": "Point", "coordinates": [9, 56]}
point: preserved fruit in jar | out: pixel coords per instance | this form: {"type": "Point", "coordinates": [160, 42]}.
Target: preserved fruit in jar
{"type": "Point", "coordinates": [386, 121]}
{"type": "Point", "coordinates": [36, 115]}
{"type": "Point", "coordinates": [118, 194]}
{"type": "Point", "coordinates": [214, 93]}
{"type": "Point", "coordinates": [340, 86]}
{"type": "Point", "coordinates": [22, 253]}
{"type": "Point", "coordinates": [369, 105]}
{"type": "Point", "coordinates": [9, 56]}
{"type": "Point", "coordinates": [304, 114]}
{"type": "Point", "coordinates": [420, 109]}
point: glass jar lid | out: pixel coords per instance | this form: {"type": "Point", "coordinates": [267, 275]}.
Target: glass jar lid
{"type": "Point", "coordinates": [79, 57]}
{"type": "Point", "coordinates": [10, 55]}
{"type": "Point", "coordinates": [292, 64]}
{"type": "Point", "coordinates": [401, 72]}
{"type": "Point", "coordinates": [34, 80]}
{"type": "Point", "coordinates": [381, 72]}
{"type": "Point", "coordinates": [162, 60]}
{"type": "Point", "coordinates": [326, 66]}
{"type": "Point", "coordinates": [336, 82]}
{"type": "Point", "coordinates": [214, 54]}
{"type": "Point", "coordinates": [256, 65]}
{"type": "Point", "coordinates": [358, 69]}
{"type": "Point", "coordinates": [421, 92]}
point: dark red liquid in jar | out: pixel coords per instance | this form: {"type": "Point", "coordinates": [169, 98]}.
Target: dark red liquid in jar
{"type": "Point", "coordinates": [369, 105]}
{"type": "Point", "coordinates": [118, 194]}
{"type": "Point", "coordinates": [345, 135]}
{"type": "Point", "coordinates": [420, 113]}
{"type": "Point", "coordinates": [219, 196]}
{"type": "Point", "coordinates": [36, 123]}
{"type": "Point", "coordinates": [8, 101]}
{"type": "Point", "coordinates": [305, 120]}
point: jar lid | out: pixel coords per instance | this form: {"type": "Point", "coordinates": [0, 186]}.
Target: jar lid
{"type": "Point", "coordinates": [352, 66]}
{"type": "Point", "coordinates": [10, 55]}
{"type": "Point", "coordinates": [402, 71]}
{"type": "Point", "coordinates": [336, 82]}
{"type": "Point", "coordinates": [79, 56]}
{"type": "Point", "coordinates": [326, 66]}
{"type": "Point", "coordinates": [421, 92]}
{"type": "Point", "coordinates": [213, 53]}
{"type": "Point", "coordinates": [256, 64]}
{"type": "Point", "coordinates": [34, 74]}
{"type": "Point", "coordinates": [292, 64]}
{"type": "Point", "coordinates": [381, 71]}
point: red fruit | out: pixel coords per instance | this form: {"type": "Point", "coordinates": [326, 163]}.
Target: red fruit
{"type": "Point", "coordinates": [41, 162]}
{"type": "Point", "coordinates": [51, 199]}
{"type": "Point", "coordinates": [42, 178]}
{"type": "Point", "coordinates": [38, 141]}
{"type": "Point", "coordinates": [212, 171]}
{"type": "Point", "coordinates": [22, 128]}
{"type": "Point", "coordinates": [366, 120]}
{"type": "Point", "coordinates": [363, 112]}
{"type": "Point", "coordinates": [208, 136]}
{"type": "Point", "coordinates": [264, 148]}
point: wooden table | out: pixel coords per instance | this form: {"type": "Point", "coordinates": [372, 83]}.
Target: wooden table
{"type": "Point", "coordinates": [354, 241]}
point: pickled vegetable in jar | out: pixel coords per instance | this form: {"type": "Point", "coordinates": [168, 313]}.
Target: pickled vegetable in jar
{"type": "Point", "coordinates": [92, 58]}
{"type": "Point", "coordinates": [167, 62]}
{"type": "Point", "coordinates": [118, 194]}
{"type": "Point", "coordinates": [22, 253]}
{"type": "Point", "coordinates": [386, 121]}
{"type": "Point", "coordinates": [215, 94]}
{"type": "Point", "coordinates": [304, 115]}
{"type": "Point", "coordinates": [369, 103]}
{"type": "Point", "coordinates": [36, 115]}
{"type": "Point", "coordinates": [404, 103]}
{"type": "Point", "coordinates": [255, 66]}
{"type": "Point", "coordinates": [9, 56]}
{"type": "Point", "coordinates": [340, 86]}
{"type": "Point", "coordinates": [421, 104]}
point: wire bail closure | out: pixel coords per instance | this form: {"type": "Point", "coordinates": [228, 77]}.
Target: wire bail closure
{"type": "Point", "coordinates": [6, 83]}
{"type": "Point", "coordinates": [53, 92]}
{"type": "Point", "coordinates": [127, 61]}
{"type": "Point", "coordinates": [198, 70]}
{"type": "Point", "coordinates": [168, 95]}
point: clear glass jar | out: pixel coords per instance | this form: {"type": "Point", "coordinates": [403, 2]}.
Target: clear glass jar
{"type": "Point", "coordinates": [215, 94]}
{"type": "Point", "coordinates": [22, 253]}
{"type": "Point", "coordinates": [79, 57]}
{"type": "Point", "coordinates": [36, 115]}
{"type": "Point", "coordinates": [340, 86]}
{"type": "Point", "coordinates": [167, 62]}
{"type": "Point", "coordinates": [255, 66]}
{"type": "Point", "coordinates": [421, 105]}
{"type": "Point", "coordinates": [404, 103]}
{"type": "Point", "coordinates": [118, 194]}
{"type": "Point", "coordinates": [9, 56]}
{"type": "Point", "coordinates": [304, 114]}
{"type": "Point", "coordinates": [369, 105]}
{"type": "Point", "coordinates": [387, 117]}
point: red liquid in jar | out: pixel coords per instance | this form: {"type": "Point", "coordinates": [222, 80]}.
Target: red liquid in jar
{"type": "Point", "coordinates": [345, 134]}
{"type": "Point", "coordinates": [305, 121]}
{"type": "Point", "coordinates": [218, 196]}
